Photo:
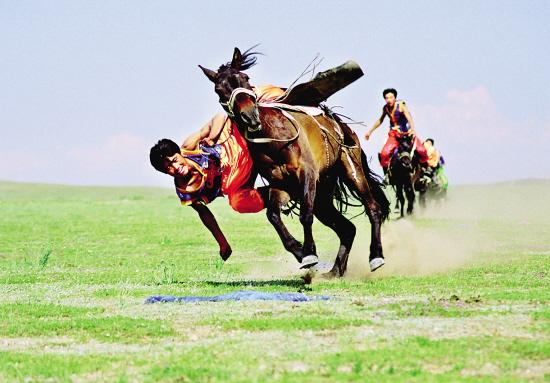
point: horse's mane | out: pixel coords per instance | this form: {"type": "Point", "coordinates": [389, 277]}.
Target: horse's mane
{"type": "Point", "coordinates": [249, 59]}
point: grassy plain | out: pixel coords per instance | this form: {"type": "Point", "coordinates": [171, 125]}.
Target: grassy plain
{"type": "Point", "coordinates": [464, 296]}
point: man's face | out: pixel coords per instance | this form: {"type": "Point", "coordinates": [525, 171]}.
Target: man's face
{"type": "Point", "coordinates": [428, 144]}
{"type": "Point", "coordinates": [177, 166]}
{"type": "Point", "coordinates": [390, 99]}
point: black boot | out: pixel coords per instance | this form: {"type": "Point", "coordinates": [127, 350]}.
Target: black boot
{"type": "Point", "coordinates": [386, 176]}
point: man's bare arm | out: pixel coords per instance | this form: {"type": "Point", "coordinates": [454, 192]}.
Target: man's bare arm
{"type": "Point", "coordinates": [217, 123]}
{"type": "Point", "coordinates": [209, 133]}
{"type": "Point", "coordinates": [377, 123]}
{"type": "Point", "coordinates": [210, 222]}
{"type": "Point", "coordinates": [409, 119]}
{"type": "Point", "coordinates": [192, 141]}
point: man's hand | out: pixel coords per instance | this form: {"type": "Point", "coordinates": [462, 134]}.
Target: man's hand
{"type": "Point", "coordinates": [209, 221]}
{"type": "Point", "coordinates": [225, 252]}
{"type": "Point", "coordinates": [367, 135]}
{"type": "Point", "coordinates": [208, 142]}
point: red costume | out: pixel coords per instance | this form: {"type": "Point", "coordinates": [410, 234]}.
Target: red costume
{"type": "Point", "coordinates": [226, 168]}
{"type": "Point", "coordinates": [399, 127]}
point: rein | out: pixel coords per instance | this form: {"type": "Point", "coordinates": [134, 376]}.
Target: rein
{"type": "Point", "coordinates": [230, 104]}
{"type": "Point", "coordinates": [267, 140]}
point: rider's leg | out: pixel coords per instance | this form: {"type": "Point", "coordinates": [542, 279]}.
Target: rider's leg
{"type": "Point", "coordinates": [386, 154]}
{"type": "Point", "coordinates": [388, 149]}
{"type": "Point", "coordinates": [246, 200]}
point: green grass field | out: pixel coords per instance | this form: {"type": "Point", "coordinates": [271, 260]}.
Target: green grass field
{"type": "Point", "coordinates": [464, 295]}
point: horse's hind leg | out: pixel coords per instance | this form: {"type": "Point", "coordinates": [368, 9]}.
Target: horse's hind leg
{"type": "Point", "coordinates": [328, 215]}
{"type": "Point", "coordinates": [356, 179]}
{"type": "Point", "coordinates": [278, 198]}
{"type": "Point", "coordinates": [308, 180]}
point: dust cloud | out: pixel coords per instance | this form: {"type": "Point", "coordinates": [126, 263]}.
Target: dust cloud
{"type": "Point", "coordinates": [435, 239]}
{"type": "Point", "coordinates": [474, 225]}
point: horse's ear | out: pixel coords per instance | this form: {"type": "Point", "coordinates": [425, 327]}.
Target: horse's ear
{"type": "Point", "coordinates": [212, 76]}
{"type": "Point", "coordinates": [237, 59]}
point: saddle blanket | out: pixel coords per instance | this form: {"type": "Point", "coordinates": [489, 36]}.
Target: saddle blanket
{"type": "Point", "coordinates": [246, 295]}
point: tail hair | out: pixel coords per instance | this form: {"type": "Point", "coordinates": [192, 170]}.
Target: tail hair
{"type": "Point", "coordinates": [344, 195]}
{"type": "Point", "coordinates": [376, 187]}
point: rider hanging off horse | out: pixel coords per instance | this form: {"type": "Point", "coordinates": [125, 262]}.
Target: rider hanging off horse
{"type": "Point", "coordinates": [302, 151]}
{"type": "Point", "coordinates": [213, 162]}
{"type": "Point", "coordinates": [401, 125]}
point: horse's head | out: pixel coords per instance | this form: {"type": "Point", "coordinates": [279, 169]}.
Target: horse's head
{"type": "Point", "coordinates": [405, 151]}
{"type": "Point", "coordinates": [235, 93]}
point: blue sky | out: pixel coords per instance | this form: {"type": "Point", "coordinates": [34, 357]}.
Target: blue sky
{"type": "Point", "coordinates": [87, 87]}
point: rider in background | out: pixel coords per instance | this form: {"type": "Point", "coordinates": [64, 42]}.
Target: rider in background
{"type": "Point", "coordinates": [433, 154]}
{"type": "Point", "coordinates": [435, 163]}
{"type": "Point", "coordinates": [401, 124]}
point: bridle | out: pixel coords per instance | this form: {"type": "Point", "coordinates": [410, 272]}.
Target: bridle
{"type": "Point", "coordinates": [229, 107]}
{"type": "Point", "coordinates": [409, 154]}
{"type": "Point", "coordinates": [230, 104]}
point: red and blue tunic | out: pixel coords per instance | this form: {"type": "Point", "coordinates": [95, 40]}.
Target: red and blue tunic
{"type": "Point", "coordinates": [226, 169]}
{"type": "Point", "coordinates": [399, 126]}
{"type": "Point", "coordinates": [398, 120]}
{"type": "Point", "coordinates": [206, 161]}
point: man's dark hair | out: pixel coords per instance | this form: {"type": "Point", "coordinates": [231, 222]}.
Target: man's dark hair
{"type": "Point", "coordinates": [164, 148]}
{"type": "Point", "coordinates": [389, 90]}
{"type": "Point", "coordinates": [430, 139]}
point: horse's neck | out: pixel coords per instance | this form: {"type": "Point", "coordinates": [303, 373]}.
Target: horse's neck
{"type": "Point", "coordinates": [398, 167]}
{"type": "Point", "coordinates": [273, 124]}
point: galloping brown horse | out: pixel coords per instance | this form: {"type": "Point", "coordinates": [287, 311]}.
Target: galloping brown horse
{"type": "Point", "coordinates": [303, 156]}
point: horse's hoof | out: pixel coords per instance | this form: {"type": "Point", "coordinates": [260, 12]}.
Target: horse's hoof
{"type": "Point", "coordinates": [376, 263]}
{"type": "Point", "coordinates": [329, 275]}
{"type": "Point", "coordinates": [309, 261]}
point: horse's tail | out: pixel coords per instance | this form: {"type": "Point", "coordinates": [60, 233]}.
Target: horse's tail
{"type": "Point", "coordinates": [344, 195]}
{"type": "Point", "coordinates": [376, 187]}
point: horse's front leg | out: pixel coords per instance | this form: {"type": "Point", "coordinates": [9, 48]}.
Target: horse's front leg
{"type": "Point", "coordinates": [400, 198]}
{"type": "Point", "coordinates": [278, 198]}
{"type": "Point", "coordinates": [409, 191]}
{"type": "Point", "coordinates": [422, 198]}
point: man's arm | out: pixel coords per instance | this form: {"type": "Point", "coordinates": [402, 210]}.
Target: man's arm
{"type": "Point", "coordinates": [209, 133]}
{"type": "Point", "coordinates": [409, 119]}
{"type": "Point", "coordinates": [376, 125]}
{"type": "Point", "coordinates": [209, 221]}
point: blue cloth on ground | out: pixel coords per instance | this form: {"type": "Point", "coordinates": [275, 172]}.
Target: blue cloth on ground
{"type": "Point", "coordinates": [239, 296]}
